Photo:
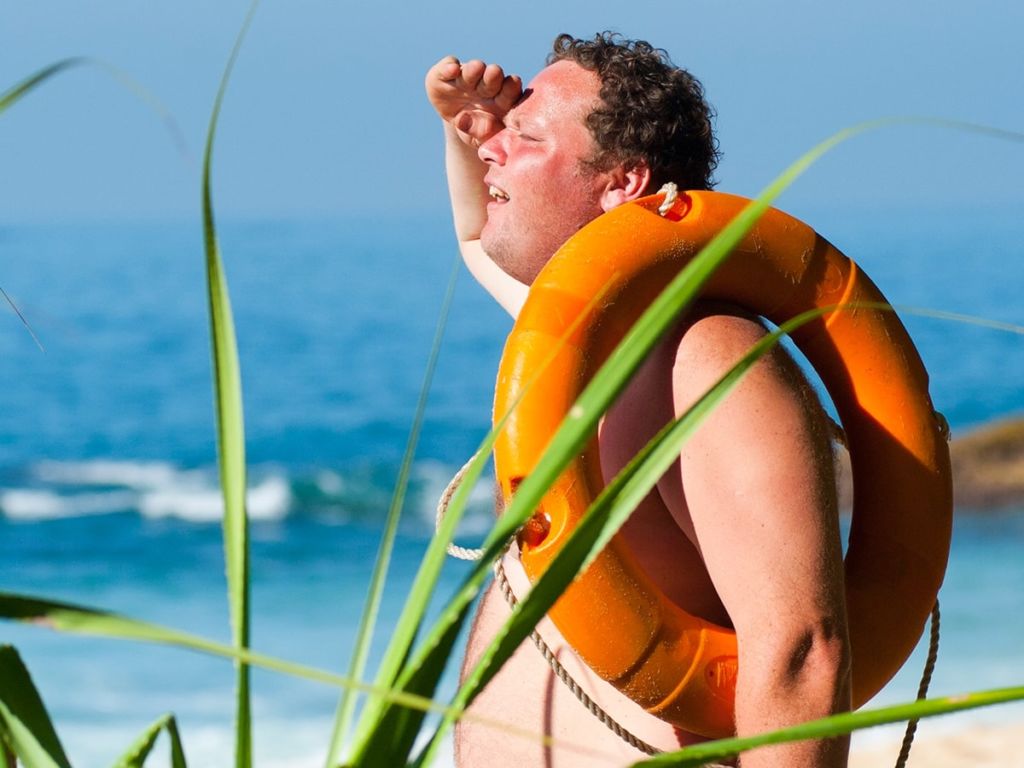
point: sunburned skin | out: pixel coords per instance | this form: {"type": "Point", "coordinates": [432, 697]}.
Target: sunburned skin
{"type": "Point", "coordinates": [661, 533]}
{"type": "Point", "coordinates": [533, 161]}
{"type": "Point", "coordinates": [742, 530]}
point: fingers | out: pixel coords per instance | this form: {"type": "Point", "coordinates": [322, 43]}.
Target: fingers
{"type": "Point", "coordinates": [487, 80]}
{"type": "Point", "coordinates": [472, 73]}
{"type": "Point", "coordinates": [490, 82]}
{"type": "Point", "coordinates": [472, 96]}
{"type": "Point", "coordinates": [447, 68]}
{"type": "Point", "coordinates": [508, 95]}
{"type": "Point", "coordinates": [441, 76]}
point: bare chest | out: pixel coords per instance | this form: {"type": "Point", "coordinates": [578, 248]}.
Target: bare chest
{"type": "Point", "coordinates": [660, 531]}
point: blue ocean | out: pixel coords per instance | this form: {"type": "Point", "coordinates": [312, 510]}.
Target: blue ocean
{"type": "Point", "coordinates": [108, 491]}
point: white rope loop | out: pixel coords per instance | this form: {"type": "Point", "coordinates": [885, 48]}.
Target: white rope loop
{"type": "Point", "coordinates": [462, 553]}
{"type": "Point", "coordinates": [671, 192]}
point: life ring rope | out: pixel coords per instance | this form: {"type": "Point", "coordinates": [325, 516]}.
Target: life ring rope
{"type": "Point", "coordinates": [474, 554]}
{"type": "Point", "coordinates": [563, 674]}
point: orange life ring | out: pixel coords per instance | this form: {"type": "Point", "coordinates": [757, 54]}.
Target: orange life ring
{"type": "Point", "coordinates": [679, 667]}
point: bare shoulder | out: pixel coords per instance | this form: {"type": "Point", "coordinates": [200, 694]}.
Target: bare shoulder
{"type": "Point", "coordinates": [773, 399]}
{"type": "Point", "coordinates": [767, 440]}
{"type": "Point", "coordinates": [710, 343]}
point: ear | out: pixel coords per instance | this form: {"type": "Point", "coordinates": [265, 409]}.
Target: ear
{"type": "Point", "coordinates": [624, 185]}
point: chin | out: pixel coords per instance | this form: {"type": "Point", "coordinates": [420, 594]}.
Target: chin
{"type": "Point", "coordinates": [512, 261]}
{"type": "Point", "coordinates": [499, 254]}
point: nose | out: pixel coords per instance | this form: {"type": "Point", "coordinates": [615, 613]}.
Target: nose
{"type": "Point", "coordinates": [493, 150]}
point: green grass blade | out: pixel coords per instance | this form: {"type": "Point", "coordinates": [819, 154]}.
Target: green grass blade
{"type": "Point", "coordinates": [364, 636]}
{"type": "Point", "coordinates": [230, 426]}
{"type": "Point", "coordinates": [394, 736]}
{"type": "Point", "coordinates": [81, 620]}
{"type": "Point", "coordinates": [20, 89]}
{"type": "Point", "coordinates": [432, 656]}
{"type": "Point", "coordinates": [836, 725]}
{"type": "Point", "coordinates": [25, 726]}
{"type": "Point", "coordinates": [90, 622]}
{"type": "Point", "coordinates": [136, 755]}
{"type": "Point", "coordinates": [959, 317]}
{"type": "Point", "coordinates": [161, 110]}
{"type": "Point", "coordinates": [24, 321]}
{"type": "Point", "coordinates": [8, 98]}
{"type": "Point", "coordinates": [454, 612]}
{"type": "Point", "coordinates": [396, 663]}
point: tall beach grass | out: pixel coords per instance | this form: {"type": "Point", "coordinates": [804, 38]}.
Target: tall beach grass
{"type": "Point", "coordinates": [392, 712]}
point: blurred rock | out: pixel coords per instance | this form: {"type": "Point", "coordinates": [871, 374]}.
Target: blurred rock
{"type": "Point", "coordinates": [988, 468]}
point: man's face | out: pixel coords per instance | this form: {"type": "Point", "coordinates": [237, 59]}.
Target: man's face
{"type": "Point", "coordinates": [541, 193]}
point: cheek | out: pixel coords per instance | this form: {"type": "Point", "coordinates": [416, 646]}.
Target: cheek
{"type": "Point", "coordinates": [554, 224]}
{"type": "Point", "coordinates": [559, 186]}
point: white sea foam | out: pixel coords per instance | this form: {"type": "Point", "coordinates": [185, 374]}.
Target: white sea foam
{"type": "Point", "coordinates": [269, 500]}
{"type": "Point", "coordinates": [155, 489]}
{"type": "Point", "coordinates": [34, 504]}
{"type": "Point", "coordinates": [159, 489]}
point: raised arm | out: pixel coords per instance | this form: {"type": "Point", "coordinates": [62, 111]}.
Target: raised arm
{"type": "Point", "coordinates": [756, 487]}
{"type": "Point", "coordinates": [472, 99]}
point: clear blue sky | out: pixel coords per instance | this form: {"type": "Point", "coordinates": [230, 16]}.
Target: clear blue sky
{"type": "Point", "coordinates": [326, 113]}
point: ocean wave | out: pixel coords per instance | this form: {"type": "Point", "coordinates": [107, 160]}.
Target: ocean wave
{"type": "Point", "coordinates": [269, 500]}
{"type": "Point", "coordinates": [152, 489]}
{"type": "Point", "coordinates": [36, 504]}
{"type": "Point", "coordinates": [50, 489]}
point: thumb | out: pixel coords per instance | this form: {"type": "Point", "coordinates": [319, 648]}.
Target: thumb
{"type": "Point", "coordinates": [464, 122]}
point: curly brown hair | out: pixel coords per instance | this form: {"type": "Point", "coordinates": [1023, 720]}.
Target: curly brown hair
{"type": "Point", "coordinates": [651, 110]}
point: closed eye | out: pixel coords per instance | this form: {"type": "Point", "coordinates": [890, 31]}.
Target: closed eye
{"type": "Point", "coordinates": [513, 124]}
{"type": "Point", "coordinates": [526, 135]}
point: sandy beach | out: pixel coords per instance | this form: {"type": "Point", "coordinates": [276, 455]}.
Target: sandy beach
{"type": "Point", "coordinates": [972, 745]}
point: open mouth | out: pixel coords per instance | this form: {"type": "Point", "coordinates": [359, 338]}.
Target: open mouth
{"type": "Point", "coordinates": [497, 194]}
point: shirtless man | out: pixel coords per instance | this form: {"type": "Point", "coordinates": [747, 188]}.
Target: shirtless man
{"type": "Point", "coordinates": [743, 529]}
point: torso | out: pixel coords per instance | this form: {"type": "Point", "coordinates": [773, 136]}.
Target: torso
{"type": "Point", "coordinates": [526, 695]}
{"type": "Point", "coordinates": [659, 532]}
